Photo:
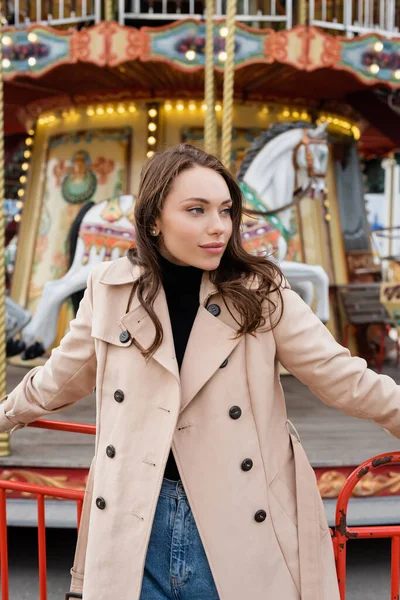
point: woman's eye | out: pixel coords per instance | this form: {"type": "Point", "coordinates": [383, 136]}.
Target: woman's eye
{"type": "Point", "coordinates": [226, 210]}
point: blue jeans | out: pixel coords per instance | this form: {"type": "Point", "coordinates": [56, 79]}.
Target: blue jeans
{"type": "Point", "coordinates": [176, 565]}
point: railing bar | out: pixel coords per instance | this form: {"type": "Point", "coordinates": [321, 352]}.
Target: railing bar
{"type": "Point", "coordinates": [311, 11]}
{"type": "Point", "coordinates": [97, 11]}
{"type": "Point", "coordinates": [79, 506]}
{"type": "Point", "coordinates": [288, 15]}
{"type": "Point", "coordinates": [42, 548]}
{"type": "Point", "coordinates": [61, 9]}
{"type": "Point", "coordinates": [165, 7]}
{"type": "Point", "coordinates": [121, 11]}
{"type": "Point", "coordinates": [3, 545]}
{"type": "Point", "coordinates": [246, 7]}
{"type": "Point", "coordinates": [219, 8]}
{"type": "Point", "coordinates": [273, 7]}
{"type": "Point", "coordinates": [395, 573]}
{"type": "Point", "coordinates": [366, 14]}
{"type": "Point", "coordinates": [382, 14]}
{"type": "Point", "coordinates": [84, 8]}
{"type": "Point", "coordinates": [191, 6]}
{"type": "Point", "coordinates": [16, 11]}
{"type": "Point", "coordinates": [323, 16]}
{"type": "Point", "coordinates": [137, 7]}
{"type": "Point", "coordinates": [360, 12]}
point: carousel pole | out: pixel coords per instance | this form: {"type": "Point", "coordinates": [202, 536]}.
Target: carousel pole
{"type": "Point", "coordinates": [210, 124]}
{"type": "Point", "coordinates": [4, 437]}
{"type": "Point", "coordinates": [229, 75]}
{"type": "Point", "coordinates": [108, 10]}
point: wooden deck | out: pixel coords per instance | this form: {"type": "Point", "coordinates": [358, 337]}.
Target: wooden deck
{"type": "Point", "coordinates": [330, 437]}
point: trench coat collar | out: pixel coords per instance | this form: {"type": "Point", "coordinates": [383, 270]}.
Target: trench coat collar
{"type": "Point", "coordinates": [210, 342]}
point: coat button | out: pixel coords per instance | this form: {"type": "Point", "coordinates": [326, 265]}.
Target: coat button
{"type": "Point", "coordinates": [214, 309]}
{"type": "Point", "coordinates": [235, 412]}
{"type": "Point", "coordinates": [110, 451]}
{"type": "Point", "coordinates": [119, 395]}
{"type": "Point", "coordinates": [260, 516]}
{"type": "Point", "coordinates": [224, 363]}
{"type": "Point", "coordinates": [124, 337]}
{"type": "Point", "coordinates": [100, 503]}
{"type": "Point", "coordinates": [247, 464]}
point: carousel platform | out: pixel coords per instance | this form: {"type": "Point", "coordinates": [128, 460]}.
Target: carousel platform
{"type": "Point", "coordinates": [335, 444]}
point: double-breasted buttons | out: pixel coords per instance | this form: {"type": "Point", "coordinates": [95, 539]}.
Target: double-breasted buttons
{"type": "Point", "coordinates": [124, 337]}
{"type": "Point", "coordinates": [119, 395]}
{"type": "Point", "coordinates": [110, 451]}
{"type": "Point", "coordinates": [224, 364]}
{"type": "Point", "coordinates": [247, 464]}
{"type": "Point", "coordinates": [214, 309]}
{"type": "Point", "coordinates": [100, 503]}
{"type": "Point", "coordinates": [235, 412]}
{"type": "Point", "coordinates": [260, 516]}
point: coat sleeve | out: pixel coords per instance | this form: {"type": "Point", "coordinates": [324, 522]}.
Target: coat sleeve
{"type": "Point", "coordinates": [68, 375]}
{"type": "Point", "coordinates": [306, 348]}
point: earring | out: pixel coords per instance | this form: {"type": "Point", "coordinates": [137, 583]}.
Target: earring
{"type": "Point", "coordinates": [154, 232]}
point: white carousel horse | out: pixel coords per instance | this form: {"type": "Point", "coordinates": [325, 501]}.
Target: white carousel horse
{"type": "Point", "coordinates": [106, 230]}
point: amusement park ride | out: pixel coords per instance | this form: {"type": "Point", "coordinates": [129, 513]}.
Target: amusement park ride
{"type": "Point", "coordinates": [292, 92]}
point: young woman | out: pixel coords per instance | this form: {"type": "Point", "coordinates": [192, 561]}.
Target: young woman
{"type": "Point", "coordinates": [183, 340]}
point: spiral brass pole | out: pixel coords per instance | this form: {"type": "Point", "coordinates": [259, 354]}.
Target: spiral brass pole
{"type": "Point", "coordinates": [108, 10]}
{"type": "Point", "coordinates": [229, 75]}
{"type": "Point", "coordinates": [210, 124]}
{"type": "Point", "coordinates": [4, 437]}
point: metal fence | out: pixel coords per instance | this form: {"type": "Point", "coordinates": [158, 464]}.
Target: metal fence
{"type": "Point", "coordinates": [341, 534]}
{"type": "Point", "coordinates": [23, 13]}
{"type": "Point", "coordinates": [356, 16]}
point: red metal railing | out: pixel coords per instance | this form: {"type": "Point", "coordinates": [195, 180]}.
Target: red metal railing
{"type": "Point", "coordinates": [340, 535]}
{"type": "Point", "coordinates": [343, 533]}
{"type": "Point", "coordinates": [40, 491]}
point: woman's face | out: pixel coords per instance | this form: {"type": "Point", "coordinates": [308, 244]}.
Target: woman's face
{"type": "Point", "coordinates": [196, 212]}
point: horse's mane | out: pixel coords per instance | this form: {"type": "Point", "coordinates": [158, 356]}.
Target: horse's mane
{"type": "Point", "coordinates": [267, 136]}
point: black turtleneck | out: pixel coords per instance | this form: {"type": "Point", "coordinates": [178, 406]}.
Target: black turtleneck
{"type": "Point", "coordinates": [182, 287]}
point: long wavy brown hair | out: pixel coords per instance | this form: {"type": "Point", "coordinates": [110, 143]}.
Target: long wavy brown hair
{"type": "Point", "coordinates": [236, 265]}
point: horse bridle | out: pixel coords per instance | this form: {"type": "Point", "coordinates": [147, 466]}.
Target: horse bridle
{"type": "Point", "coordinates": [298, 193]}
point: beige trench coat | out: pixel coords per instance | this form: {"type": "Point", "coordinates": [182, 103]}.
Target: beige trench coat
{"type": "Point", "coordinates": [289, 554]}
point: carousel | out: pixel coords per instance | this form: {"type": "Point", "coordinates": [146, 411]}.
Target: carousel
{"type": "Point", "coordinates": [91, 91]}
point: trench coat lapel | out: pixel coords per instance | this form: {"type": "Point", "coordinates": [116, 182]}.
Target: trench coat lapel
{"type": "Point", "coordinates": [210, 341]}
{"type": "Point", "coordinates": [209, 344]}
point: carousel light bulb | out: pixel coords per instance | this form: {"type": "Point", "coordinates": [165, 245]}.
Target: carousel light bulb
{"type": "Point", "coordinates": [397, 74]}
{"type": "Point", "coordinates": [22, 179]}
{"type": "Point", "coordinates": [192, 106]}
{"type": "Point", "coordinates": [17, 218]}
{"type": "Point", "coordinates": [265, 110]}
{"type": "Point", "coordinates": [152, 126]}
{"type": "Point", "coordinates": [100, 110]}
{"type": "Point", "coordinates": [286, 113]}
{"type": "Point", "coordinates": [218, 107]}
{"type": "Point", "coordinates": [19, 204]}
{"type": "Point", "coordinates": [151, 140]}
{"type": "Point", "coordinates": [378, 46]}
{"type": "Point", "coordinates": [31, 132]}
{"type": "Point", "coordinates": [304, 116]}
{"type": "Point", "coordinates": [6, 63]}
{"type": "Point", "coordinates": [356, 132]}
{"type": "Point", "coordinates": [295, 114]}
{"type": "Point", "coordinates": [109, 110]}
{"type": "Point", "coordinates": [90, 111]}
{"type": "Point", "coordinates": [121, 109]}
{"type": "Point", "coordinates": [223, 32]}
{"type": "Point", "coordinates": [152, 113]}
{"type": "Point", "coordinates": [150, 153]}
{"type": "Point", "coordinates": [31, 61]}
{"type": "Point", "coordinates": [6, 40]}
{"type": "Point", "coordinates": [21, 193]}
{"type": "Point", "coordinates": [168, 106]}
{"type": "Point", "coordinates": [204, 106]}
{"type": "Point", "coordinates": [190, 54]}
{"type": "Point", "coordinates": [27, 154]}
{"type": "Point", "coordinates": [29, 141]}
{"type": "Point", "coordinates": [32, 37]}
{"type": "Point", "coordinates": [179, 105]}
{"type": "Point", "coordinates": [24, 166]}
{"type": "Point", "coordinates": [222, 56]}
{"type": "Point", "coordinates": [132, 108]}
{"type": "Point", "coordinates": [374, 69]}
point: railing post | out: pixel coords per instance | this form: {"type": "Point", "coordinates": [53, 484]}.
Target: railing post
{"type": "Point", "coordinates": [4, 437]}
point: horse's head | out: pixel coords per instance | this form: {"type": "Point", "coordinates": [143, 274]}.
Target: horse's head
{"type": "Point", "coordinates": [311, 157]}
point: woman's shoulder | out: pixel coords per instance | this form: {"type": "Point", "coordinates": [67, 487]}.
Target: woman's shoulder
{"type": "Point", "coordinates": [116, 272]}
